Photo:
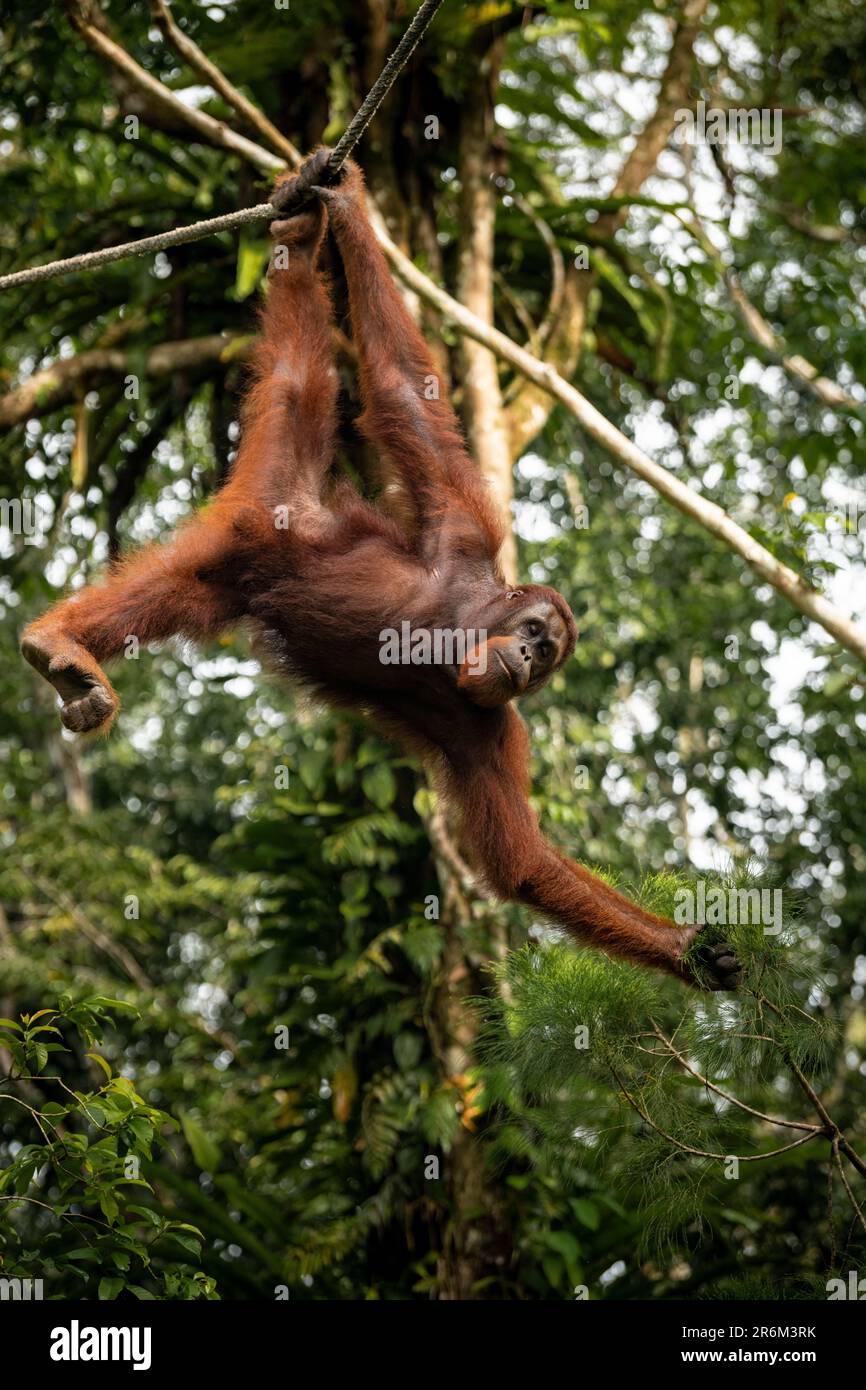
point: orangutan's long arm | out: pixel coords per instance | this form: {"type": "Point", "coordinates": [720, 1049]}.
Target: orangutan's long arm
{"type": "Point", "coordinates": [157, 593]}
{"type": "Point", "coordinates": [191, 585]}
{"type": "Point", "coordinates": [503, 835]}
{"type": "Point", "coordinates": [406, 409]}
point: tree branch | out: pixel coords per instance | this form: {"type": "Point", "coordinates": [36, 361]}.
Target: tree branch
{"type": "Point", "coordinates": [116, 950]}
{"type": "Point", "coordinates": [827, 391]}
{"type": "Point", "coordinates": [808, 1089]}
{"type": "Point", "coordinates": [845, 1183]}
{"type": "Point", "coordinates": [708, 514]}
{"type": "Point", "coordinates": [732, 1100]}
{"type": "Point", "coordinates": [557, 275]}
{"type": "Point", "coordinates": [201, 64]}
{"type": "Point", "coordinates": [90, 23]}
{"type": "Point", "coordinates": [815, 231]}
{"type": "Point", "coordinates": [55, 385]}
{"type": "Point", "coordinates": [673, 94]}
{"type": "Point", "coordinates": [530, 408]}
{"type": "Point", "coordinates": [705, 1153]}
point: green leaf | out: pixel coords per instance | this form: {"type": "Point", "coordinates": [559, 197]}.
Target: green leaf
{"type": "Point", "coordinates": [380, 785]}
{"type": "Point", "coordinates": [564, 1243]}
{"type": "Point", "coordinates": [191, 1244]}
{"type": "Point", "coordinates": [142, 1129]}
{"type": "Point", "coordinates": [101, 1001]}
{"type": "Point", "coordinates": [108, 1206]}
{"type": "Point", "coordinates": [408, 1048]}
{"type": "Point", "coordinates": [311, 766]}
{"type": "Point", "coordinates": [253, 256]}
{"type": "Point", "coordinates": [587, 1212]}
{"type": "Point", "coordinates": [147, 1214]}
{"type": "Point", "coordinates": [109, 1287]}
{"type": "Point", "coordinates": [205, 1152]}
{"type": "Point", "coordinates": [95, 1057]}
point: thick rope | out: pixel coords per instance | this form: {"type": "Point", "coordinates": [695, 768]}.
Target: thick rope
{"type": "Point", "coordinates": [382, 86]}
{"type": "Point", "coordinates": [347, 142]}
{"type": "Point", "coordinates": [89, 259]}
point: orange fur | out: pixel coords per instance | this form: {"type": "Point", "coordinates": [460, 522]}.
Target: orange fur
{"type": "Point", "coordinates": [320, 588]}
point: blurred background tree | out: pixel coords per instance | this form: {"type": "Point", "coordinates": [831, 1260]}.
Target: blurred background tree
{"type": "Point", "coordinates": [272, 889]}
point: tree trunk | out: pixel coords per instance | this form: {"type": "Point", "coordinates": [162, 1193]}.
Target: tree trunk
{"type": "Point", "coordinates": [482, 398]}
{"type": "Point", "coordinates": [476, 1242]}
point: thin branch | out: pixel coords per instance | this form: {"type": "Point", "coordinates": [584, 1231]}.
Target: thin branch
{"type": "Point", "coordinates": [530, 407]}
{"type": "Point", "coordinates": [85, 19]}
{"type": "Point", "coordinates": [557, 274]}
{"type": "Point", "coordinates": [53, 386]}
{"type": "Point", "coordinates": [99, 938]}
{"type": "Point", "coordinates": [832, 1128]}
{"type": "Point", "coordinates": [61, 1215]}
{"type": "Point", "coordinates": [845, 1183]}
{"type": "Point", "coordinates": [520, 315]}
{"type": "Point", "coordinates": [827, 391]}
{"type": "Point", "coordinates": [705, 1153]}
{"type": "Point", "coordinates": [201, 64]}
{"type": "Point", "coordinates": [36, 1114]}
{"type": "Point", "coordinates": [733, 1100]}
{"type": "Point", "coordinates": [816, 231]}
{"type": "Point", "coordinates": [673, 95]}
{"type": "Point", "coordinates": [830, 393]}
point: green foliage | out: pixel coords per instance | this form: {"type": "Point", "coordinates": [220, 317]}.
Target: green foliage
{"type": "Point", "coordinates": [571, 1038]}
{"type": "Point", "coordinates": [80, 1176]}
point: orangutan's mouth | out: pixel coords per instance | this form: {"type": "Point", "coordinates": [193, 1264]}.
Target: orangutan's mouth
{"type": "Point", "coordinates": [506, 668]}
